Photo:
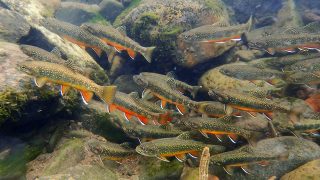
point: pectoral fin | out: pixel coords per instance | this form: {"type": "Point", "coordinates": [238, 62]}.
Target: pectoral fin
{"type": "Point", "coordinates": [163, 104]}
{"type": "Point", "coordinates": [127, 116]}
{"type": "Point", "coordinates": [204, 134]}
{"type": "Point", "coordinates": [97, 50]}
{"type": "Point", "coordinates": [64, 89]}
{"type": "Point", "coordinates": [111, 108]}
{"type": "Point", "coordinates": [245, 169]}
{"type": "Point", "coordinates": [181, 157]}
{"type": "Point", "coordinates": [143, 120]}
{"type": "Point", "coordinates": [182, 110]}
{"type": "Point", "coordinates": [86, 96]}
{"type": "Point", "coordinates": [40, 81]}
{"type": "Point", "coordinates": [163, 158]}
{"type": "Point", "coordinates": [228, 169]}
{"type": "Point", "coordinates": [219, 137]}
{"type": "Point", "coordinates": [233, 138]}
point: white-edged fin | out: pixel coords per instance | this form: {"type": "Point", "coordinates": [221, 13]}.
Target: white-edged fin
{"type": "Point", "coordinates": [204, 134]}
{"type": "Point", "coordinates": [163, 158]}
{"type": "Point", "coordinates": [245, 170]}
{"type": "Point", "coordinates": [252, 114]}
{"type": "Point", "coordinates": [117, 49]}
{"type": "Point", "coordinates": [236, 39]}
{"type": "Point", "coordinates": [267, 117]}
{"type": "Point", "coordinates": [84, 101]}
{"type": "Point", "coordinates": [232, 140]}
{"type": "Point", "coordinates": [195, 157]}
{"type": "Point", "coordinates": [86, 96]}
{"type": "Point", "coordinates": [178, 110]}
{"type": "Point", "coordinates": [64, 89]}
{"type": "Point", "coordinates": [219, 139]}
{"type": "Point", "coordinates": [220, 42]}
{"type": "Point", "coordinates": [140, 121]}
{"type": "Point", "coordinates": [139, 140]}
{"type": "Point", "coordinates": [180, 160]}
{"type": "Point", "coordinates": [125, 116]}
{"type": "Point", "coordinates": [228, 109]}
{"type": "Point", "coordinates": [228, 170]}
{"type": "Point", "coordinates": [40, 81]}
{"type": "Point", "coordinates": [108, 109]}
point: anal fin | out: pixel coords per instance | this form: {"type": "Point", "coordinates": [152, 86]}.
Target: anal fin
{"type": "Point", "coordinates": [127, 116]}
{"type": "Point", "coordinates": [181, 157]}
{"type": "Point", "coordinates": [86, 96]}
{"type": "Point", "coordinates": [163, 158]}
{"type": "Point", "coordinates": [64, 89]}
{"type": "Point", "coordinates": [233, 138]}
{"type": "Point", "coordinates": [131, 53]}
{"type": "Point", "coordinates": [181, 108]}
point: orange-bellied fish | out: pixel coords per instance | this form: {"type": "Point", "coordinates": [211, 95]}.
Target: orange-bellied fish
{"type": "Point", "coordinates": [246, 102]}
{"type": "Point", "coordinates": [131, 108]}
{"type": "Point", "coordinates": [178, 147]}
{"type": "Point", "coordinates": [77, 35]}
{"type": "Point", "coordinates": [243, 157]}
{"type": "Point", "coordinates": [214, 33]}
{"type": "Point", "coordinates": [56, 73]}
{"type": "Point", "coordinates": [163, 91]}
{"type": "Point", "coordinates": [118, 40]}
{"type": "Point", "coordinates": [290, 41]}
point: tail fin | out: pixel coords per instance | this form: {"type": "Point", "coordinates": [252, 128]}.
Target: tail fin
{"type": "Point", "coordinates": [108, 93]}
{"type": "Point", "coordinates": [148, 53]}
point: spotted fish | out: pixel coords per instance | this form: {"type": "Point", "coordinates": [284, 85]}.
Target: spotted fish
{"type": "Point", "coordinates": [118, 40]}
{"type": "Point", "coordinates": [56, 73]}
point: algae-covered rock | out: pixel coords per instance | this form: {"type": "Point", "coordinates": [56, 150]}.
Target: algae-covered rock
{"type": "Point", "coordinates": [310, 170]}
{"type": "Point", "coordinates": [110, 9]}
{"type": "Point", "coordinates": [12, 26]}
{"type": "Point", "coordinates": [158, 22]}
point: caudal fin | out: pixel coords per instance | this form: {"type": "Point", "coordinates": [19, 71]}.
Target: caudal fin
{"type": "Point", "coordinates": [108, 93]}
{"type": "Point", "coordinates": [148, 53]}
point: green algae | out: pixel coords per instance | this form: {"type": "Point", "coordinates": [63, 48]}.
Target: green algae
{"type": "Point", "coordinates": [99, 19]}
{"type": "Point", "coordinates": [68, 155]}
{"type": "Point", "coordinates": [133, 4]}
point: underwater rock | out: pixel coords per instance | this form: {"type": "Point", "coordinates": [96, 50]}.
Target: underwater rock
{"type": "Point", "coordinates": [297, 150]}
{"type": "Point", "coordinates": [69, 160]}
{"type": "Point", "coordinates": [247, 55]}
{"type": "Point", "coordinates": [84, 1]}
{"type": "Point", "coordinates": [110, 9]}
{"type": "Point", "coordinates": [158, 22]}
{"type": "Point", "coordinates": [77, 13]}
{"type": "Point", "coordinates": [310, 170]}
{"type": "Point", "coordinates": [13, 26]}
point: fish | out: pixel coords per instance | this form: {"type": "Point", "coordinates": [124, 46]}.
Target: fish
{"type": "Point", "coordinates": [56, 73]}
{"type": "Point", "coordinates": [150, 132]}
{"type": "Point", "coordinates": [279, 63]}
{"type": "Point", "coordinates": [246, 102]}
{"type": "Point", "coordinates": [119, 40]}
{"type": "Point", "coordinates": [308, 78]}
{"type": "Point", "coordinates": [162, 90]}
{"type": "Point", "coordinates": [165, 115]}
{"type": "Point", "coordinates": [309, 65]}
{"type": "Point", "coordinates": [77, 36]}
{"type": "Point", "coordinates": [211, 109]}
{"type": "Point", "coordinates": [289, 43]}
{"type": "Point", "coordinates": [247, 72]}
{"type": "Point", "coordinates": [130, 108]}
{"type": "Point", "coordinates": [41, 54]}
{"type": "Point", "coordinates": [178, 147]}
{"type": "Point", "coordinates": [217, 34]}
{"type": "Point", "coordinates": [307, 125]}
{"type": "Point", "coordinates": [218, 128]}
{"type": "Point", "coordinates": [110, 151]}
{"type": "Point", "coordinates": [242, 158]}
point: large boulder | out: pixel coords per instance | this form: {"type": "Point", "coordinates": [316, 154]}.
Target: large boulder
{"type": "Point", "coordinates": [159, 22]}
{"type": "Point", "coordinates": [310, 170]}
{"type": "Point", "coordinates": [12, 26]}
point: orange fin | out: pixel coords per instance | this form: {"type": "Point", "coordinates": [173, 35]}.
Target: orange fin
{"type": "Point", "coordinates": [86, 96]}
{"type": "Point", "coordinates": [264, 163]}
{"type": "Point", "coordinates": [194, 154]}
{"type": "Point", "coordinates": [111, 108]}
{"type": "Point", "coordinates": [182, 110]}
{"type": "Point", "coordinates": [229, 170]}
{"type": "Point", "coordinates": [143, 120]}
{"type": "Point", "coordinates": [245, 169]}
{"type": "Point", "coordinates": [253, 114]}
{"type": "Point", "coordinates": [163, 104]}
{"type": "Point", "coordinates": [181, 157]}
{"type": "Point", "coordinates": [271, 51]}
{"type": "Point", "coordinates": [131, 53]}
{"type": "Point", "coordinates": [127, 116]}
{"type": "Point", "coordinates": [64, 89]}
{"type": "Point", "coordinates": [119, 48]}
{"type": "Point", "coordinates": [233, 138]}
{"type": "Point", "coordinates": [97, 50]}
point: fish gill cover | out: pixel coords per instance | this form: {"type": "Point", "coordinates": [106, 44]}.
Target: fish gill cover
{"type": "Point", "coordinates": [159, 89]}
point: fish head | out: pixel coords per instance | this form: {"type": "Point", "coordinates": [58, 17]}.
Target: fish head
{"type": "Point", "coordinates": [219, 95]}
{"type": "Point", "coordinates": [148, 149]}
{"type": "Point", "coordinates": [28, 67]}
{"type": "Point", "coordinates": [141, 80]}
